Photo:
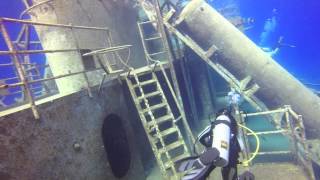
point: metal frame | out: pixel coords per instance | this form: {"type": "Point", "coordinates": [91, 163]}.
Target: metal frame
{"type": "Point", "coordinates": [294, 130]}
{"type": "Point", "coordinates": [158, 24]}
{"type": "Point", "coordinates": [242, 87]}
{"type": "Point", "coordinates": [22, 67]}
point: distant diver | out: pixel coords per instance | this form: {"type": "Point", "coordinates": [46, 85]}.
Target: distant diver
{"type": "Point", "coordinates": [275, 50]}
{"type": "Point", "coordinates": [222, 150]}
{"type": "Point", "coordinates": [234, 98]}
{"type": "Point", "coordinates": [269, 28]}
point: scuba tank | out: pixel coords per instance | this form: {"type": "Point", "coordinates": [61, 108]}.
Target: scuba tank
{"type": "Point", "coordinates": [221, 139]}
{"type": "Point", "coordinates": [217, 135]}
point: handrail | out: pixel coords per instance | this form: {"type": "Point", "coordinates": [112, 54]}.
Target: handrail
{"type": "Point", "coordinates": [32, 7]}
{"type": "Point", "coordinates": [36, 23]}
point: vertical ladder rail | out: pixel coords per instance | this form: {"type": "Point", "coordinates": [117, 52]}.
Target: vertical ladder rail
{"type": "Point", "coordinates": [19, 69]}
{"type": "Point", "coordinates": [180, 137]}
{"type": "Point", "coordinates": [152, 127]}
{"type": "Point", "coordinates": [174, 90]}
{"type": "Point", "coordinates": [144, 121]}
{"type": "Point", "coordinates": [157, 37]}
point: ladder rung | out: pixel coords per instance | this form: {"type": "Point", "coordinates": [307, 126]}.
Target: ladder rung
{"type": "Point", "coordinates": [171, 146]}
{"type": "Point", "coordinates": [179, 157]}
{"type": "Point", "coordinates": [149, 95]}
{"type": "Point", "coordinates": [116, 71]}
{"type": "Point", "coordinates": [145, 83]}
{"type": "Point", "coordinates": [164, 119]}
{"type": "Point", "coordinates": [171, 163]}
{"type": "Point", "coordinates": [146, 22]}
{"type": "Point", "coordinates": [168, 131]}
{"type": "Point", "coordinates": [154, 54]}
{"type": "Point", "coordinates": [153, 38]}
{"type": "Point", "coordinates": [158, 106]}
{"type": "Point", "coordinates": [211, 51]}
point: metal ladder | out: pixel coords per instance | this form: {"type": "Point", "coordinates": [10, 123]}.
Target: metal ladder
{"type": "Point", "coordinates": [158, 120]}
{"type": "Point", "coordinates": [155, 38]}
{"type": "Point", "coordinates": [240, 85]}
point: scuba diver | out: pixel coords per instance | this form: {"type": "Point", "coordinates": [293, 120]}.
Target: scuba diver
{"type": "Point", "coordinates": [222, 150]}
{"type": "Point", "coordinates": [268, 29]}
{"type": "Point", "coordinates": [234, 98]}
{"type": "Point", "coordinates": [274, 51]}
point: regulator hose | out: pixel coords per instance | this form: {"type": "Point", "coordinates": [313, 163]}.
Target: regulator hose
{"type": "Point", "coordinates": [246, 163]}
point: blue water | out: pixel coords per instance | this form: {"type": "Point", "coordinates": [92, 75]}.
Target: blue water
{"type": "Point", "coordinates": [13, 9]}
{"type": "Point", "coordinates": [298, 23]}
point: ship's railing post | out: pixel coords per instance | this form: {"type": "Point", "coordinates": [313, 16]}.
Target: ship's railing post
{"type": "Point", "coordinates": [19, 69]}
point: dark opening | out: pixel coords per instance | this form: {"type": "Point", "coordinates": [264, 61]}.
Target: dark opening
{"type": "Point", "coordinates": [88, 61]}
{"type": "Point", "coordinates": [116, 145]}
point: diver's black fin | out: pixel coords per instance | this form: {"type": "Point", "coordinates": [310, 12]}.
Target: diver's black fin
{"type": "Point", "coordinates": [198, 168]}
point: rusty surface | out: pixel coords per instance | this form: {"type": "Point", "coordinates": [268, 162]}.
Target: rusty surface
{"type": "Point", "coordinates": [45, 149]}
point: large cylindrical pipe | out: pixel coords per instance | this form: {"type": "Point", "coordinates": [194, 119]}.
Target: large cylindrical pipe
{"type": "Point", "coordinates": [243, 58]}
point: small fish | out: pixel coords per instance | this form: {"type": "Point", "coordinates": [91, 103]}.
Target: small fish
{"type": "Point", "coordinates": [3, 88]}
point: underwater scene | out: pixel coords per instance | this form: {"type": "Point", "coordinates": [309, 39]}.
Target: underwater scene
{"type": "Point", "coordinates": [160, 89]}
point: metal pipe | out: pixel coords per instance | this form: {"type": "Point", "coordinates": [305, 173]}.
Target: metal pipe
{"type": "Point", "coordinates": [5, 79]}
{"type": "Point", "coordinates": [30, 22]}
{"type": "Point", "coordinates": [293, 114]}
{"type": "Point", "coordinates": [8, 64]}
{"type": "Point", "coordinates": [18, 92]}
{"type": "Point", "coordinates": [247, 149]}
{"type": "Point", "coordinates": [265, 113]}
{"type": "Point", "coordinates": [242, 58]}
{"type": "Point", "coordinates": [291, 127]}
{"type": "Point", "coordinates": [61, 76]}
{"type": "Point", "coordinates": [21, 33]}
{"type": "Point", "coordinates": [268, 132]}
{"type": "Point", "coordinates": [40, 51]}
{"type": "Point", "coordinates": [21, 75]}
{"type": "Point", "coordinates": [32, 7]}
{"type": "Point", "coordinates": [106, 50]}
{"type": "Point", "coordinates": [26, 3]}
{"type": "Point", "coordinates": [242, 133]}
{"type": "Point", "coordinates": [274, 152]}
{"type": "Point", "coordinates": [30, 42]}
{"type": "Point", "coordinates": [51, 78]}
